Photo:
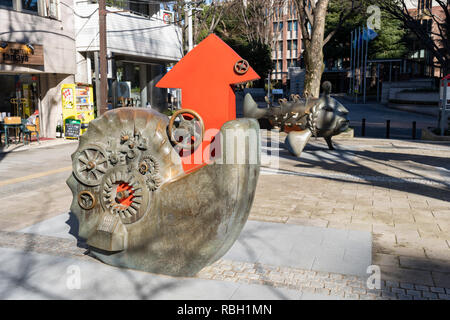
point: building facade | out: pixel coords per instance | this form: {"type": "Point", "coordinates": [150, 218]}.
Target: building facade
{"type": "Point", "coordinates": [37, 56]}
{"type": "Point", "coordinates": [141, 41]}
{"type": "Point", "coordinates": [45, 44]}
{"type": "Point", "coordinates": [424, 62]}
{"type": "Point", "coordinates": [287, 42]}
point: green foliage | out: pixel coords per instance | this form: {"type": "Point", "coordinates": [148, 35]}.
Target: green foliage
{"type": "Point", "coordinates": [168, 112]}
{"type": "Point", "coordinates": [259, 55]}
{"type": "Point", "coordinates": [390, 42]}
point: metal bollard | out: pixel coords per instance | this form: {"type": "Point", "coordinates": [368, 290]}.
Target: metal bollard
{"type": "Point", "coordinates": [388, 128]}
{"type": "Point", "coordinates": [414, 127]}
{"type": "Point", "coordinates": [363, 127]}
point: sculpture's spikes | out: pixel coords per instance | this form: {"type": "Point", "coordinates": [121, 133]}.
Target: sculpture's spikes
{"type": "Point", "coordinates": [251, 109]}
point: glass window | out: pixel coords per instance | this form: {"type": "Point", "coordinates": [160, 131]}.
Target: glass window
{"type": "Point", "coordinates": [289, 25]}
{"type": "Point", "coordinates": [280, 26]}
{"type": "Point", "coordinates": [289, 46]}
{"type": "Point", "coordinates": [294, 45]}
{"type": "Point", "coordinates": [30, 5]}
{"type": "Point", "coordinates": [6, 3]}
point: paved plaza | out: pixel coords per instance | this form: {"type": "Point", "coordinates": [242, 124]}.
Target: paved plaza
{"type": "Point", "coordinates": [316, 224]}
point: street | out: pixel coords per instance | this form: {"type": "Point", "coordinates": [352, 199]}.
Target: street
{"type": "Point", "coordinates": [376, 116]}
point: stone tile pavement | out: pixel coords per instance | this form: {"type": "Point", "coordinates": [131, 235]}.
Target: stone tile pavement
{"type": "Point", "coordinates": [397, 190]}
{"type": "Point", "coordinates": [307, 284]}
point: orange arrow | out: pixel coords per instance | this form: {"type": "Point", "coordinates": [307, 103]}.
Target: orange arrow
{"type": "Point", "coordinates": [205, 76]}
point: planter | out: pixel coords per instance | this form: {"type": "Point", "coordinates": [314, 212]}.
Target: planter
{"type": "Point", "coordinates": [427, 134]}
{"type": "Point", "coordinates": [349, 134]}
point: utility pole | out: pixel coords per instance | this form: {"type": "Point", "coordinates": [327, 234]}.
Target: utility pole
{"type": "Point", "coordinates": [102, 106]}
{"type": "Point", "coordinates": [188, 12]}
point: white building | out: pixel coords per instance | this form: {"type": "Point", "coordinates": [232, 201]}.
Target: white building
{"type": "Point", "coordinates": [46, 43]}
{"type": "Point", "coordinates": [141, 40]}
{"type": "Point", "coordinates": [37, 55]}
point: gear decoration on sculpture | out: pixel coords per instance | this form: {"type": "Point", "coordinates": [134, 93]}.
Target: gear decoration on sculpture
{"type": "Point", "coordinates": [86, 200]}
{"type": "Point", "coordinates": [241, 67]}
{"type": "Point", "coordinates": [149, 167]}
{"type": "Point", "coordinates": [116, 158]}
{"type": "Point", "coordinates": [132, 143]}
{"type": "Point", "coordinates": [142, 143]}
{"type": "Point", "coordinates": [90, 164]}
{"type": "Point", "coordinates": [124, 194]}
{"type": "Point", "coordinates": [153, 182]}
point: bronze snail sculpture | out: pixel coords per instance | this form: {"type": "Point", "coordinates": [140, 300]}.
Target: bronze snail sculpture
{"type": "Point", "coordinates": [303, 118]}
{"type": "Point", "coordinates": [137, 207]}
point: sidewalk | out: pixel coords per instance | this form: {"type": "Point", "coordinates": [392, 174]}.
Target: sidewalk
{"type": "Point", "coordinates": [427, 110]}
{"type": "Point", "coordinates": [316, 224]}
{"type": "Point", "coordinates": [13, 147]}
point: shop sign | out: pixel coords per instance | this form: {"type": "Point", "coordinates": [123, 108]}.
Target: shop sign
{"type": "Point", "coordinates": [21, 54]}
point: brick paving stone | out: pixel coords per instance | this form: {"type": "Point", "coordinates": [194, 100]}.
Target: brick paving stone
{"type": "Point", "coordinates": [337, 292]}
{"type": "Point", "coordinates": [422, 288]}
{"type": "Point", "coordinates": [374, 292]}
{"type": "Point", "coordinates": [437, 290]}
{"type": "Point", "coordinates": [398, 291]}
{"type": "Point", "coordinates": [430, 295]}
{"type": "Point", "coordinates": [359, 291]}
{"type": "Point", "coordinates": [413, 293]}
{"type": "Point", "coordinates": [404, 297]}
{"type": "Point", "coordinates": [368, 297]}
{"type": "Point", "coordinates": [356, 284]}
{"type": "Point", "coordinates": [388, 295]}
{"type": "Point", "coordinates": [406, 285]}
{"type": "Point", "coordinates": [229, 273]}
{"type": "Point", "coordinates": [308, 290]}
{"type": "Point", "coordinates": [444, 296]}
{"type": "Point", "coordinates": [352, 296]}
{"type": "Point", "coordinates": [330, 285]}
{"type": "Point", "coordinates": [317, 284]}
{"type": "Point", "coordinates": [323, 291]}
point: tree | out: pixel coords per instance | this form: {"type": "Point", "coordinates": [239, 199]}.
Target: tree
{"type": "Point", "coordinates": [245, 26]}
{"type": "Point", "coordinates": [209, 16]}
{"type": "Point", "coordinates": [312, 15]}
{"type": "Point", "coordinates": [390, 42]}
{"type": "Point", "coordinates": [206, 15]}
{"type": "Point", "coordinates": [435, 38]}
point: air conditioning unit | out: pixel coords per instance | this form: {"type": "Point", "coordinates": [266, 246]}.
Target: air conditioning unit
{"type": "Point", "coordinates": [53, 9]}
{"type": "Point", "coordinates": [124, 89]}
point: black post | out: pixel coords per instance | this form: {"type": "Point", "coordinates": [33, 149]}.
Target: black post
{"type": "Point", "coordinates": [414, 125]}
{"type": "Point", "coordinates": [388, 128]}
{"type": "Point", "coordinates": [363, 127]}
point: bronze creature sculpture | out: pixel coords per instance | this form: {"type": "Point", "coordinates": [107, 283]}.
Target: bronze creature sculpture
{"type": "Point", "coordinates": [303, 118]}
{"type": "Point", "coordinates": [143, 198]}
{"type": "Point", "coordinates": [138, 209]}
